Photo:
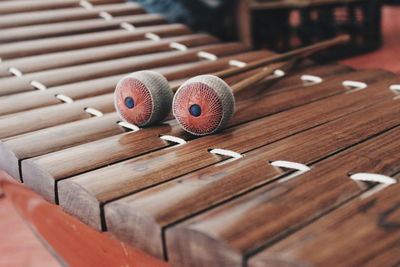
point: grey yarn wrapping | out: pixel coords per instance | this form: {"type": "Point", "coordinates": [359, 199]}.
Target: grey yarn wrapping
{"type": "Point", "coordinates": [160, 92]}
{"type": "Point", "coordinates": [223, 91]}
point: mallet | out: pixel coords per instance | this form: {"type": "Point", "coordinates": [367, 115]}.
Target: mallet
{"type": "Point", "coordinates": [205, 104]}
{"type": "Point", "coordinates": [144, 98]}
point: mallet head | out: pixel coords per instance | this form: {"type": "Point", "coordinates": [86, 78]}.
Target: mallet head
{"type": "Point", "coordinates": [143, 98]}
{"type": "Point", "coordinates": [203, 105]}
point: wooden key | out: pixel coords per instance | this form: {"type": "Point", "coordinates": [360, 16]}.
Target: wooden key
{"type": "Point", "coordinates": [36, 119]}
{"type": "Point", "coordinates": [362, 233]}
{"type": "Point", "coordinates": [8, 7]}
{"type": "Point", "coordinates": [94, 87]}
{"type": "Point", "coordinates": [272, 212]}
{"type": "Point", "coordinates": [117, 145]}
{"type": "Point", "coordinates": [46, 117]}
{"type": "Point", "coordinates": [203, 104]}
{"type": "Point", "coordinates": [154, 168]}
{"type": "Point", "coordinates": [62, 136]}
{"type": "Point", "coordinates": [302, 52]}
{"type": "Point", "coordinates": [164, 205]}
{"type": "Point", "coordinates": [93, 54]}
{"type": "Point", "coordinates": [74, 27]}
{"type": "Point", "coordinates": [67, 14]}
{"type": "Point", "coordinates": [63, 43]}
{"type": "Point", "coordinates": [60, 76]}
{"type": "Point", "coordinates": [122, 147]}
{"type": "Point", "coordinates": [126, 149]}
{"type": "Point", "coordinates": [303, 72]}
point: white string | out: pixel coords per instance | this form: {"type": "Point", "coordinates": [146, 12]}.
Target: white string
{"type": "Point", "coordinates": [64, 98]}
{"type": "Point", "coordinates": [290, 165]}
{"type": "Point", "coordinates": [228, 153]}
{"type": "Point", "coordinates": [382, 180]}
{"type": "Point", "coordinates": [15, 71]}
{"type": "Point", "coordinates": [152, 36]}
{"type": "Point", "coordinates": [85, 4]}
{"type": "Point", "coordinates": [127, 26]}
{"type": "Point", "coordinates": [310, 79]}
{"type": "Point", "coordinates": [225, 152]}
{"type": "Point", "coordinates": [105, 15]}
{"type": "Point", "coordinates": [94, 112]}
{"type": "Point", "coordinates": [279, 73]}
{"type": "Point", "coordinates": [39, 85]}
{"type": "Point", "coordinates": [395, 88]}
{"type": "Point", "coordinates": [373, 177]}
{"type": "Point", "coordinates": [353, 86]}
{"type": "Point", "coordinates": [237, 63]}
{"type": "Point", "coordinates": [178, 46]}
{"type": "Point", "coordinates": [207, 56]}
{"type": "Point", "coordinates": [299, 167]}
{"type": "Point", "coordinates": [173, 139]}
{"type": "Point", "coordinates": [128, 125]}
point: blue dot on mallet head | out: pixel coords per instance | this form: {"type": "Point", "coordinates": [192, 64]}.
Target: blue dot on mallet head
{"type": "Point", "coordinates": [195, 110]}
{"type": "Point", "coordinates": [129, 102]}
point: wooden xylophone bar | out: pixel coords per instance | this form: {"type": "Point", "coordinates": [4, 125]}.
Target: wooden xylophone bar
{"type": "Point", "coordinates": [54, 116]}
{"type": "Point", "coordinates": [63, 28]}
{"type": "Point", "coordinates": [93, 70]}
{"type": "Point", "coordinates": [277, 187]}
{"type": "Point", "coordinates": [11, 7]}
{"type": "Point", "coordinates": [141, 175]}
{"type": "Point", "coordinates": [226, 223]}
{"type": "Point", "coordinates": [360, 215]}
{"type": "Point", "coordinates": [93, 54]}
{"type": "Point", "coordinates": [93, 87]}
{"type": "Point", "coordinates": [73, 112]}
{"type": "Point", "coordinates": [63, 43]}
{"type": "Point", "coordinates": [66, 14]}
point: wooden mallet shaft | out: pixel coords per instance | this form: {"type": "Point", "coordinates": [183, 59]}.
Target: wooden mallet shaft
{"type": "Point", "coordinates": [254, 79]}
{"type": "Point", "coordinates": [300, 52]}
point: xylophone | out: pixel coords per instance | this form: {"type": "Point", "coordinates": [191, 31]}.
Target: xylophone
{"type": "Point", "coordinates": [304, 174]}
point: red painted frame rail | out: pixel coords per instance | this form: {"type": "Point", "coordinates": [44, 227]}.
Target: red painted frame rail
{"type": "Point", "coordinates": [75, 243]}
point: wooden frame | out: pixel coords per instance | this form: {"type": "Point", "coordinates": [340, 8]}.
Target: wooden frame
{"type": "Point", "coordinates": [76, 243]}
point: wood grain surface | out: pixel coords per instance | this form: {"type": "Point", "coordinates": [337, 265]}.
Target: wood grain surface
{"type": "Point", "coordinates": [89, 88]}
{"type": "Point", "coordinates": [228, 234]}
{"type": "Point", "coordinates": [11, 7]}
{"type": "Point", "coordinates": [94, 54]}
{"type": "Point", "coordinates": [65, 43]}
{"type": "Point", "coordinates": [182, 203]}
{"type": "Point", "coordinates": [117, 148]}
{"type": "Point", "coordinates": [36, 119]}
{"type": "Point", "coordinates": [22, 147]}
{"type": "Point", "coordinates": [157, 208]}
{"type": "Point", "coordinates": [133, 175]}
{"type": "Point", "coordinates": [73, 27]}
{"type": "Point", "coordinates": [67, 14]}
{"type": "Point", "coordinates": [61, 136]}
{"type": "Point", "coordinates": [363, 232]}
{"type": "Point", "coordinates": [12, 85]}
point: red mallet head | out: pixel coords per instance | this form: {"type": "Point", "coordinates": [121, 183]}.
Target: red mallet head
{"type": "Point", "coordinates": [143, 98]}
{"type": "Point", "coordinates": [203, 105]}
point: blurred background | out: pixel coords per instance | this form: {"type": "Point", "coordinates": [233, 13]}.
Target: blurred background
{"type": "Point", "coordinates": [282, 25]}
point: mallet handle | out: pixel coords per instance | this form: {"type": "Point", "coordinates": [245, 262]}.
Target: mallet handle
{"type": "Point", "coordinates": [302, 52]}
{"type": "Point", "coordinates": [254, 79]}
